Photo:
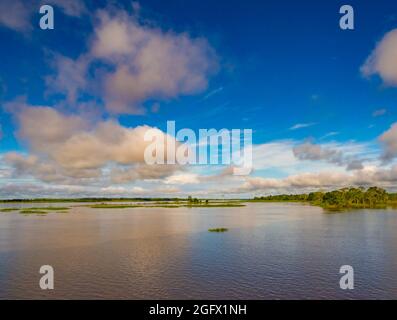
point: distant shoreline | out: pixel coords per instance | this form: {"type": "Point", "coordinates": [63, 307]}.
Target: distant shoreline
{"type": "Point", "coordinates": [342, 199]}
{"type": "Point", "coordinates": [88, 200]}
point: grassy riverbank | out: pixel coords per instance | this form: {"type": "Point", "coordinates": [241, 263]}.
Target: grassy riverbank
{"type": "Point", "coordinates": [165, 203]}
{"type": "Point", "coordinates": [172, 204]}
{"type": "Point", "coordinates": [76, 200]}
{"type": "Point", "coordinates": [35, 210]}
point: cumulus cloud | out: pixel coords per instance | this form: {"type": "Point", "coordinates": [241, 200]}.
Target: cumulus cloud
{"type": "Point", "coordinates": [181, 179]}
{"type": "Point", "coordinates": [74, 8]}
{"type": "Point", "coordinates": [128, 63]}
{"type": "Point", "coordinates": [315, 152]}
{"type": "Point", "coordinates": [74, 143]}
{"type": "Point", "coordinates": [354, 165]}
{"type": "Point", "coordinates": [15, 14]}
{"type": "Point", "coordinates": [310, 151]}
{"type": "Point", "coordinates": [389, 141]}
{"type": "Point", "coordinates": [142, 172]}
{"type": "Point", "coordinates": [148, 62]}
{"type": "Point", "coordinates": [123, 191]}
{"type": "Point", "coordinates": [23, 190]}
{"type": "Point", "coordinates": [141, 62]}
{"type": "Point", "coordinates": [43, 128]}
{"type": "Point", "coordinates": [70, 78]}
{"type": "Point", "coordinates": [68, 146]}
{"type": "Point", "coordinates": [47, 170]}
{"type": "Point", "coordinates": [382, 60]}
{"type": "Point", "coordinates": [322, 180]}
{"type": "Point", "coordinates": [68, 149]}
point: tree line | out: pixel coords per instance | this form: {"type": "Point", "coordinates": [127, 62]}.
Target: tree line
{"type": "Point", "coordinates": [352, 197]}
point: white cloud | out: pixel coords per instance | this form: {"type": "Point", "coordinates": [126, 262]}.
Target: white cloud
{"type": "Point", "coordinates": [277, 154]}
{"type": "Point", "coordinates": [302, 125]}
{"type": "Point", "coordinates": [19, 190]}
{"type": "Point", "coordinates": [379, 112]}
{"type": "Point", "coordinates": [168, 190]}
{"type": "Point", "coordinates": [71, 76]}
{"type": "Point", "coordinates": [181, 179]}
{"type": "Point", "coordinates": [15, 14]}
{"type": "Point", "coordinates": [308, 181]}
{"type": "Point", "coordinates": [149, 63]}
{"type": "Point", "coordinates": [311, 151]}
{"type": "Point", "coordinates": [68, 146]}
{"type": "Point", "coordinates": [382, 60]}
{"type": "Point", "coordinates": [47, 170]}
{"type": "Point", "coordinates": [5, 173]}
{"type": "Point", "coordinates": [142, 172]}
{"type": "Point", "coordinates": [70, 150]}
{"type": "Point", "coordinates": [123, 191]}
{"type": "Point", "coordinates": [330, 134]}
{"type": "Point", "coordinates": [74, 8]}
{"type": "Point", "coordinates": [142, 62]}
{"type": "Point", "coordinates": [316, 152]}
{"type": "Point", "coordinates": [114, 190]}
{"type": "Point", "coordinates": [212, 93]}
{"type": "Point", "coordinates": [389, 141]}
{"type": "Point", "coordinates": [290, 156]}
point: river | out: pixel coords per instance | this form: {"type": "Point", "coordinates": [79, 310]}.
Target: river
{"type": "Point", "coordinates": [271, 251]}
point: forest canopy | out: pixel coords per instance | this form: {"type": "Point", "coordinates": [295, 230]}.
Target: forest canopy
{"type": "Point", "coordinates": [352, 197]}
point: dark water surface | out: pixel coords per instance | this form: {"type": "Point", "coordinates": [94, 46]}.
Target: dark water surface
{"type": "Point", "coordinates": [271, 251]}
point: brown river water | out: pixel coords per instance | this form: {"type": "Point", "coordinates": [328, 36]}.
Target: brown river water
{"type": "Point", "coordinates": [271, 251]}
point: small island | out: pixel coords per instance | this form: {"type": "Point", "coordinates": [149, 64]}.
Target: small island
{"type": "Point", "coordinates": [218, 230]}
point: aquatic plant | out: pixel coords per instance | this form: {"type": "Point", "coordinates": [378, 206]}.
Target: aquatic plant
{"type": "Point", "coordinates": [218, 230]}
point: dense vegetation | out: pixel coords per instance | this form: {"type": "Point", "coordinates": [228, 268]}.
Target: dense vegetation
{"type": "Point", "coordinates": [218, 230]}
{"type": "Point", "coordinates": [373, 197]}
{"type": "Point", "coordinates": [191, 203]}
{"type": "Point", "coordinates": [35, 210]}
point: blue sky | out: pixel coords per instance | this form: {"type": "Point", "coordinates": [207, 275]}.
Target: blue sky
{"type": "Point", "coordinates": [283, 69]}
